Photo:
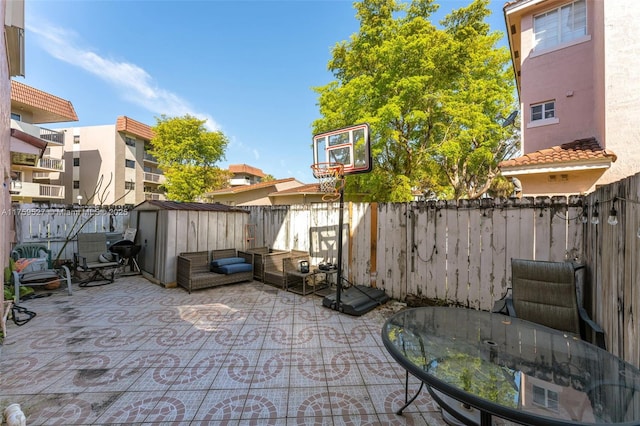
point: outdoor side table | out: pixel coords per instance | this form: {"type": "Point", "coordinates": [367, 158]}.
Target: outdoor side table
{"type": "Point", "coordinates": [306, 282]}
{"type": "Point", "coordinates": [511, 368]}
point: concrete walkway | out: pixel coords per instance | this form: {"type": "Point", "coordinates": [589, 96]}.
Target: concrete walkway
{"type": "Point", "coordinates": [133, 352]}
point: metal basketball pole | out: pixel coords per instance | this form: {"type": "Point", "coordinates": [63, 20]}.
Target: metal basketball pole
{"type": "Point", "coordinates": [339, 266]}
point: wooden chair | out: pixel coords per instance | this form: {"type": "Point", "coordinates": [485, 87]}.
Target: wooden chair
{"type": "Point", "coordinates": [546, 293]}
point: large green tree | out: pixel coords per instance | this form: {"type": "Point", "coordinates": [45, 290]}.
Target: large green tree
{"type": "Point", "coordinates": [187, 153]}
{"type": "Point", "coordinates": [434, 97]}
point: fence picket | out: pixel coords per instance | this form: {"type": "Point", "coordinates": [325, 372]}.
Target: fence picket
{"type": "Point", "coordinates": [474, 257]}
{"type": "Point", "coordinates": [440, 256]}
{"type": "Point", "coordinates": [460, 256]}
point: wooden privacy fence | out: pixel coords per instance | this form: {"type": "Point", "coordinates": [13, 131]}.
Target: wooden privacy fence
{"type": "Point", "coordinates": [612, 254]}
{"type": "Point", "coordinates": [457, 252]}
{"type": "Point", "coordinates": [52, 226]}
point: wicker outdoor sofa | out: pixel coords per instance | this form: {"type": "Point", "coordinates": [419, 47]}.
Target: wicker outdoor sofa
{"type": "Point", "coordinates": [194, 269]}
{"type": "Point", "coordinates": [260, 255]}
{"type": "Point", "coordinates": [274, 266]}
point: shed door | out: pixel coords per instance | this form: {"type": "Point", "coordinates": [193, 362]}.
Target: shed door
{"type": "Point", "coordinates": [147, 237]}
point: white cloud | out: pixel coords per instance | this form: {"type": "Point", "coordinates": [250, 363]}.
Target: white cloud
{"type": "Point", "coordinates": [239, 149]}
{"type": "Point", "coordinates": [133, 83]}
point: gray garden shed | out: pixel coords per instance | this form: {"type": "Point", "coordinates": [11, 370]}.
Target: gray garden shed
{"type": "Point", "coordinates": [168, 228]}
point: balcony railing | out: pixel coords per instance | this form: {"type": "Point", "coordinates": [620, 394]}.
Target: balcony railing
{"type": "Point", "coordinates": [48, 135]}
{"type": "Point", "coordinates": [52, 136]}
{"type": "Point", "coordinates": [240, 181]}
{"type": "Point", "coordinates": [155, 178]}
{"type": "Point", "coordinates": [151, 158]}
{"type": "Point", "coordinates": [154, 196]}
{"type": "Point", "coordinates": [38, 190]}
{"type": "Point", "coordinates": [15, 187]}
{"type": "Point", "coordinates": [50, 163]}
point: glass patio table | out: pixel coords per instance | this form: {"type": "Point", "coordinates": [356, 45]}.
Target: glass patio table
{"type": "Point", "coordinates": [495, 365]}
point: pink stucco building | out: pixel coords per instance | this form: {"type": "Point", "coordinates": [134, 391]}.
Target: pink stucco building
{"type": "Point", "coordinates": [577, 72]}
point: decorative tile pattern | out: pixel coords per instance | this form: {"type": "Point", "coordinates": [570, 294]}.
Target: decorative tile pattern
{"type": "Point", "coordinates": [133, 352]}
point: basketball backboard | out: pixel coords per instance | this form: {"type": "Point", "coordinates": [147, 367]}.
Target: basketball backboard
{"type": "Point", "coordinates": [348, 146]}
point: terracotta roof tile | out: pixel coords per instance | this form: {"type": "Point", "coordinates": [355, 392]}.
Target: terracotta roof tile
{"type": "Point", "coordinates": [175, 205]}
{"type": "Point", "coordinates": [136, 128]}
{"type": "Point", "coordinates": [245, 188]}
{"type": "Point", "coordinates": [582, 150]}
{"type": "Point", "coordinates": [45, 107]}
{"type": "Point", "coordinates": [244, 168]}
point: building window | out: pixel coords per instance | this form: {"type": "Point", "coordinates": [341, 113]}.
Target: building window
{"type": "Point", "coordinates": [129, 141]}
{"type": "Point", "coordinates": [76, 184]}
{"type": "Point", "coordinates": [543, 111]}
{"type": "Point", "coordinates": [16, 117]}
{"type": "Point", "coordinates": [545, 398]}
{"type": "Point", "coordinates": [130, 164]}
{"type": "Point", "coordinates": [76, 138]}
{"type": "Point", "coordinates": [560, 25]}
{"type": "Point", "coordinates": [129, 185]}
{"type": "Point", "coordinates": [76, 161]}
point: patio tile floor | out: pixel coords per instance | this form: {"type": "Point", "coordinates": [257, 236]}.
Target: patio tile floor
{"type": "Point", "coordinates": [133, 352]}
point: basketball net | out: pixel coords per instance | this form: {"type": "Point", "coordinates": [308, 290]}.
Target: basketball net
{"type": "Point", "coordinates": [331, 179]}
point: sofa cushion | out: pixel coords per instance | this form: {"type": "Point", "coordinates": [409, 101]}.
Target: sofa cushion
{"type": "Point", "coordinates": [232, 268]}
{"type": "Point", "coordinates": [227, 261]}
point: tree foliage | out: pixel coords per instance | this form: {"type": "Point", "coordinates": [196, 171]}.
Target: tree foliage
{"type": "Point", "coordinates": [187, 153]}
{"type": "Point", "coordinates": [434, 97]}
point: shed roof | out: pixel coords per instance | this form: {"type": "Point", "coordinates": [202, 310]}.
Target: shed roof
{"type": "Point", "coordinates": [176, 205]}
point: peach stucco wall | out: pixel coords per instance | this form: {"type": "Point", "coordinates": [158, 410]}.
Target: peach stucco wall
{"type": "Point", "coordinates": [541, 184]}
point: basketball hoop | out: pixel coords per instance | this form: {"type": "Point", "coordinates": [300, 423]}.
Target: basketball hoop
{"type": "Point", "coordinates": [331, 178]}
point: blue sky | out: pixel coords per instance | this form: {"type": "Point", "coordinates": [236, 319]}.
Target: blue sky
{"type": "Point", "coordinates": [247, 67]}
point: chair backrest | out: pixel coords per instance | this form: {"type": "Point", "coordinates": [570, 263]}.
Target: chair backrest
{"type": "Point", "coordinates": [31, 251]}
{"type": "Point", "coordinates": [222, 253]}
{"type": "Point", "coordinates": [91, 245]}
{"type": "Point", "coordinates": [545, 293]}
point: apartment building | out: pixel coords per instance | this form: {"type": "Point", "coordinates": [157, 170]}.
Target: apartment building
{"type": "Point", "coordinates": [111, 161]}
{"type": "Point", "coordinates": [243, 174]}
{"type": "Point", "coordinates": [576, 67]}
{"type": "Point", "coordinates": [37, 152]}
